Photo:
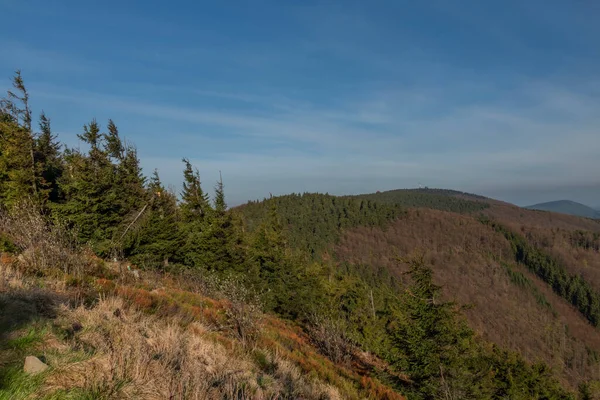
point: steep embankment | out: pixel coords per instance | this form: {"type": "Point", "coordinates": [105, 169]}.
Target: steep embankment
{"type": "Point", "coordinates": [146, 337]}
{"type": "Point", "coordinates": [476, 266]}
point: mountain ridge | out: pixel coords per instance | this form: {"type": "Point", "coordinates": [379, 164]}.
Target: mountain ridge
{"type": "Point", "coordinates": [566, 207]}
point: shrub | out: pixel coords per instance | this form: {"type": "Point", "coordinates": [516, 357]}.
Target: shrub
{"type": "Point", "coordinates": [243, 312]}
{"type": "Point", "coordinates": [330, 338]}
{"type": "Point", "coordinates": [43, 245]}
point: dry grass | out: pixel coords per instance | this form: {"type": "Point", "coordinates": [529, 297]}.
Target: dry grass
{"type": "Point", "coordinates": [161, 344]}
{"type": "Point", "coordinates": [136, 356]}
{"type": "Point", "coordinates": [43, 246]}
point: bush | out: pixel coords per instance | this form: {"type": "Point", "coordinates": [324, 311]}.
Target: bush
{"type": "Point", "coordinates": [329, 336]}
{"type": "Point", "coordinates": [243, 312]}
{"type": "Point", "coordinates": [42, 245]}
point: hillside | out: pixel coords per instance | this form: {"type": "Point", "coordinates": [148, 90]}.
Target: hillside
{"type": "Point", "coordinates": [123, 289]}
{"type": "Point", "coordinates": [567, 207]}
{"type": "Point", "coordinates": [153, 337]}
{"type": "Point", "coordinates": [512, 301]}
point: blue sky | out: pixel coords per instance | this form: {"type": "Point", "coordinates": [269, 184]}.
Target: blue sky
{"type": "Point", "coordinates": [497, 98]}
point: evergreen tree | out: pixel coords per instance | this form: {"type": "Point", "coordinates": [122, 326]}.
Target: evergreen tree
{"type": "Point", "coordinates": [432, 343]}
{"type": "Point", "coordinates": [194, 202]}
{"type": "Point", "coordinates": [220, 204]}
{"type": "Point", "coordinates": [114, 145]}
{"type": "Point", "coordinates": [104, 189]}
{"type": "Point", "coordinates": [18, 178]}
{"type": "Point", "coordinates": [282, 274]}
{"type": "Point", "coordinates": [158, 239]}
{"type": "Point", "coordinates": [48, 160]}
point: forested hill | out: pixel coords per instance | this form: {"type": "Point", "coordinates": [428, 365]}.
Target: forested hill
{"type": "Point", "coordinates": [313, 221]}
{"type": "Point", "coordinates": [509, 263]}
{"type": "Point", "coordinates": [311, 296]}
{"type": "Point", "coordinates": [439, 199]}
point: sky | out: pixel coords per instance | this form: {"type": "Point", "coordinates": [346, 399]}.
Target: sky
{"type": "Point", "coordinates": [496, 98]}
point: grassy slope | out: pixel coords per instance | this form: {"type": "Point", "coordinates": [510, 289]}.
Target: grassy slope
{"type": "Point", "coordinates": [150, 339]}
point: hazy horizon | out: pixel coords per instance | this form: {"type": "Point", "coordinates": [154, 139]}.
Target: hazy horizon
{"type": "Point", "coordinates": [498, 99]}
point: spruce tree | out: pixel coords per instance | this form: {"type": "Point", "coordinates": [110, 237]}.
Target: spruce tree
{"type": "Point", "coordinates": [18, 174]}
{"type": "Point", "coordinates": [48, 160]}
{"type": "Point", "coordinates": [158, 238]}
{"type": "Point", "coordinates": [197, 215]}
{"type": "Point", "coordinates": [104, 189]}
{"type": "Point", "coordinates": [281, 272]}
{"type": "Point", "coordinates": [194, 202]}
{"type": "Point", "coordinates": [432, 342]}
{"type": "Point", "coordinates": [220, 204]}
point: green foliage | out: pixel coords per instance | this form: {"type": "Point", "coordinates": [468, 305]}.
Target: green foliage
{"type": "Point", "coordinates": [313, 221]}
{"type": "Point", "coordinates": [432, 343]}
{"type": "Point", "coordinates": [48, 161]}
{"type": "Point", "coordinates": [6, 245]}
{"type": "Point", "coordinates": [157, 238]}
{"type": "Point", "coordinates": [444, 359]}
{"type": "Point", "coordinates": [573, 288]}
{"type": "Point", "coordinates": [17, 145]}
{"type": "Point", "coordinates": [521, 280]}
{"type": "Point", "coordinates": [439, 199]}
{"type": "Point", "coordinates": [194, 202]}
{"type": "Point", "coordinates": [103, 190]}
{"type": "Point", "coordinates": [290, 287]}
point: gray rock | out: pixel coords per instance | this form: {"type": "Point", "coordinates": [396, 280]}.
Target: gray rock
{"type": "Point", "coordinates": [33, 365]}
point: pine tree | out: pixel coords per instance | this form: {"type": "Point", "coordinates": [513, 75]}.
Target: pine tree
{"type": "Point", "coordinates": [18, 174]}
{"type": "Point", "coordinates": [104, 189]}
{"type": "Point", "coordinates": [433, 344]}
{"type": "Point", "coordinates": [279, 271]}
{"type": "Point", "coordinates": [194, 202]}
{"type": "Point", "coordinates": [158, 238]}
{"type": "Point", "coordinates": [220, 204]}
{"type": "Point", "coordinates": [48, 160]}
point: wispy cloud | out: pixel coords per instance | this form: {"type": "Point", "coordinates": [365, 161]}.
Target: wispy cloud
{"type": "Point", "coordinates": [21, 55]}
{"type": "Point", "coordinates": [382, 142]}
{"type": "Point", "coordinates": [345, 99]}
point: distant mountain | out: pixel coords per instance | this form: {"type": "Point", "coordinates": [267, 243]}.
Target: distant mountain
{"type": "Point", "coordinates": [567, 207]}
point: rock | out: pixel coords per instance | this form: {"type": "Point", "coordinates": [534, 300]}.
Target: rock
{"type": "Point", "coordinates": [33, 365]}
{"type": "Point", "coordinates": [76, 326]}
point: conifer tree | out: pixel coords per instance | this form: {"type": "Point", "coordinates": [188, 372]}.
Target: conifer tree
{"type": "Point", "coordinates": [158, 238]}
{"type": "Point", "coordinates": [223, 245]}
{"type": "Point", "coordinates": [433, 344]}
{"type": "Point", "coordinates": [114, 145]}
{"type": "Point", "coordinates": [281, 272]}
{"type": "Point", "coordinates": [220, 204]}
{"type": "Point", "coordinates": [17, 145]}
{"type": "Point", "coordinates": [197, 219]}
{"type": "Point", "coordinates": [48, 160]}
{"type": "Point", "coordinates": [104, 189]}
{"type": "Point", "coordinates": [194, 202]}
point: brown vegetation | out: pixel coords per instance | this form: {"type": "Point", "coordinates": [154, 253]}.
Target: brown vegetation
{"type": "Point", "coordinates": [470, 260]}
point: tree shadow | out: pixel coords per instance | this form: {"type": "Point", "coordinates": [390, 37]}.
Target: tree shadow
{"type": "Point", "coordinates": [20, 308]}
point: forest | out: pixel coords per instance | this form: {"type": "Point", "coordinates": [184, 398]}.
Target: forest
{"type": "Point", "coordinates": [279, 250]}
